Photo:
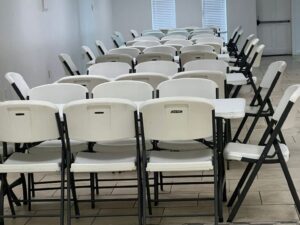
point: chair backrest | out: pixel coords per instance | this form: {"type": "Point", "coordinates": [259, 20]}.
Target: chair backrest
{"type": "Point", "coordinates": [146, 44]}
{"type": "Point", "coordinates": [255, 59]}
{"type": "Point", "coordinates": [183, 33]}
{"type": "Point", "coordinates": [213, 39]}
{"type": "Point", "coordinates": [250, 48]}
{"type": "Point", "coordinates": [153, 79]}
{"type": "Point", "coordinates": [198, 48]}
{"type": "Point", "coordinates": [194, 37]}
{"type": "Point", "coordinates": [165, 67]}
{"type": "Point", "coordinates": [162, 49]}
{"type": "Point", "coordinates": [188, 87]}
{"type": "Point", "coordinates": [88, 81]}
{"type": "Point", "coordinates": [179, 118]}
{"type": "Point", "coordinates": [207, 64]}
{"type": "Point", "coordinates": [18, 83]}
{"type": "Point", "coordinates": [110, 69]}
{"type": "Point", "coordinates": [147, 38]}
{"type": "Point", "coordinates": [247, 43]}
{"type": "Point", "coordinates": [115, 58]}
{"type": "Point", "coordinates": [68, 64]}
{"type": "Point", "coordinates": [154, 57]}
{"type": "Point", "coordinates": [201, 31]}
{"type": "Point", "coordinates": [134, 33]}
{"type": "Point", "coordinates": [218, 77]}
{"type": "Point", "coordinates": [234, 33]}
{"type": "Point", "coordinates": [174, 37]}
{"type": "Point", "coordinates": [196, 55]}
{"type": "Point", "coordinates": [216, 45]}
{"type": "Point", "coordinates": [179, 42]}
{"type": "Point", "coordinates": [58, 93]}
{"type": "Point", "coordinates": [95, 120]}
{"type": "Point", "coordinates": [157, 34]}
{"type": "Point", "coordinates": [136, 91]}
{"type": "Point", "coordinates": [120, 36]}
{"type": "Point", "coordinates": [288, 106]}
{"type": "Point", "coordinates": [28, 121]}
{"type": "Point", "coordinates": [88, 53]}
{"type": "Point", "coordinates": [133, 52]}
{"type": "Point", "coordinates": [101, 47]}
{"type": "Point", "coordinates": [117, 41]}
{"type": "Point", "coordinates": [274, 68]}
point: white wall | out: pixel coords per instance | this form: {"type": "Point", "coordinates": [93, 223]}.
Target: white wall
{"type": "Point", "coordinates": [136, 14]}
{"type": "Point", "coordinates": [241, 12]}
{"type": "Point", "coordinates": [95, 22]}
{"type": "Point", "coordinates": [31, 39]}
{"type": "Point", "coordinates": [296, 26]}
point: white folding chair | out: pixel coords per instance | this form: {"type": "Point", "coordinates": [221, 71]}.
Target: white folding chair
{"type": "Point", "coordinates": [271, 149]}
{"type": "Point", "coordinates": [165, 67]}
{"type": "Point", "coordinates": [24, 122]}
{"type": "Point", "coordinates": [217, 46]}
{"type": "Point", "coordinates": [110, 69]}
{"type": "Point", "coordinates": [134, 33]}
{"type": "Point", "coordinates": [133, 52]}
{"type": "Point", "coordinates": [68, 65]}
{"type": "Point", "coordinates": [196, 55]}
{"type": "Point", "coordinates": [101, 120]}
{"type": "Point", "coordinates": [162, 49]}
{"type": "Point", "coordinates": [88, 81]}
{"type": "Point", "coordinates": [120, 58]}
{"type": "Point", "coordinates": [18, 83]}
{"type": "Point", "coordinates": [157, 34]}
{"type": "Point", "coordinates": [90, 56]}
{"type": "Point", "coordinates": [178, 32]}
{"type": "Point", "coordinates": [101, 47]}
{"type": "Point", "coordinates": [154, 57]}
{"type": "Point", "coordinates": [181, 119]}
{"type": "Point", "coordinates": [154, 79]}
{"type": "Point", "coordinates": [141, 45]}
{"type": "Point", "coordinates": [178, 44]}
{"type": "Point", "coordinates": [120, 36]}
{"type": "Point", "coordinates": [199, 48]}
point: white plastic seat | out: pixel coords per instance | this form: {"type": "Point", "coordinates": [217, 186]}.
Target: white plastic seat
{"type": "Point", "coordinates": [154, 79]}
{"type": "Point", "coordinates": [68, 65]}
{"type": "Point", "coordinates": [88, 81]}
{"type": "Point", "coordinates": [207, 64]}
{"type": "Point", "coordinates": [18, 83]}
{"type": "Point", "coordinates": [199, 48]}
{"type": "Point", "coordinates": [101, 47]}
{"type": "Point", "coordinates": [154, 57]}
{"type": "Point", "coordinates": [90, 56]}
{"type": "Point", "coordinates": [133, 52]}
{"type": "Point", "coordinates": [110, 69]}
{"type": "Point", "coordinates": [165, 67]}
{"type": "Point", "coordinates": [162, 49]}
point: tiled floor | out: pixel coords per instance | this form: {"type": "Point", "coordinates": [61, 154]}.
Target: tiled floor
{"type": "Point", "coordinates": [269, 200]}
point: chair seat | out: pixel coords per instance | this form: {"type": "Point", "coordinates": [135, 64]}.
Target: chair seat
{"type": "Point", "coordinates": [181, 145]}
{"type": "Point", "coordinates": [224, 57]}
{"type": "Point", "coordinates": [238, 79]}
{"type": "Point", "coordinates": [237, 151]}
{"type": "Point", "coordinates": [55, 146]}
{"type": "Point", "coordinates": [104, 162]}
{"type": "Point", "coordinates": [31, 163]}
{"type": "Point", "coordinates": [180, 161]}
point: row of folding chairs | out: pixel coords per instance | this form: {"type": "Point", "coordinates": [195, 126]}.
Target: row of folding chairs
{"type": "Point", "coordinates": [84, 119]}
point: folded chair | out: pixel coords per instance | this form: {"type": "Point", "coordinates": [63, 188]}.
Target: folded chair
{"type": "Point", "coordinates": [18, 83]}
{"type": "Point", "coordinates": [101, 47]}
{"type": "Point", "coordinates": [271, 149]}
{"type": "Point", "coordinates": [68, 65]}
{"type": "Point", "coordinates": [90, 56]}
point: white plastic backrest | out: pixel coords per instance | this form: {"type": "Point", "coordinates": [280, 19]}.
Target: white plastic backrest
{"type": "Point", "coordinates": [271, 73]}
{"type": "Point", "coordinates": [210, 40]}
{"type": "Point", "coordinates": [135, 91]}
{"type": "Point", "coordinates": [18, 80]}
{"type": "Point", "coordinates": [174, 37]}
{"type": "Point", "coordinates": [154, 79]}
{"type": "Point", "coordinates": [146, 43]}
{"type": "Point", "coordinates": [188, 87]}
{"type": "Point", "coordinates": [291, 94]}
{"type": "Point", "coordinates": [207, 64]}
{"type": "Point", "coordinates": [254, 43]}
{"type": "Point", "coordinates": [58, 93]}
{"type": "Point", "coordinates": [216, 76]}
{"type": "Point", "coordinates": [239, 34]}
{"type": "Point", "coordinates": [157, 34]}
{"type": "Point", "coordinates": [161, 49]}
{"type": "Point", "coordinates": [147, 38]}
{"type": "Point", "coordinates": [134, 33]}
{"type": "Point", "coordinates": [202, 35]}
{"type": "Point", "coordinates": [27, 121]}
{"type": "Point", "coordinates": [109, 69]}
{"type": "Point", "coordinates": [120, 36]}
{"type": "Point", "coordinates": [165, 67]}
{"type": "Point", "coordinates": [88, 52]}
{"type": "Point", "coordinates": [177, 118]}
{"type": "Point", "coordinates": [199, 48]}
{"type": "Point", "coordinates": [196, 55]}
{"type": "Point", "coordinates": [115, 58]}
{"type": "Point", "coordinates": [88, 81]}
{"type": "Point", "coordinates": [133, 52]}
{"type": "Point", "coordinates": [217, 46]}
{"type": "Point", "coordinates": [154, 57]}
{"type": "Point", "coordinates": [249, 40]}
{"type": "Point", "coordinates": [67, 59]}
{"type": "Point", "coordinates": [236, 30]}
{"type": "Point", "coordinates": [96, 120]}
{"type": "Point", "coordinates": [179, 42]}
{"type": "Point", "coordinates": [259, 51]}
{"type": "Point", "coordinates": [100, 45]}
{"type": "Point", "coordinates": [183, 33]}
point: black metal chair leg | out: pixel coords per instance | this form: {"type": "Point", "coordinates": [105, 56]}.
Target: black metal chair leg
{"type": "Point", "coordinates": [73, 189]}
{"type": "Point", "coordinates": [29, 192]}
{"type": "Point", "coordinates": [9, 195]}
{"type": "Point", "coordinates": [148, 194]}
{"type": "Point", "coordinates": [62, 196]}
{"type": "Point", "coordinates": [251, 129]}
{"type": "Point", "coordinates": [156, 191]}
{"type": "Point", "coordinates": [92, 182]}
{"type": "Point", "coordinates": [161, 181]}
{"type": "Point", "coordinates": [239, 185]}
{"type": "Point", "coordinates": [97, 183]}
{"type": "Point", "coordinates": [216, 193]}
{"type": "Point", "coordinates": [32, 186]}
{"type": "Point", "coordinates": [2, 200]}
{"type": "Point", "coordinates": [24, 188]}
{"type": "Point", "coordinates": [238, 132]}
